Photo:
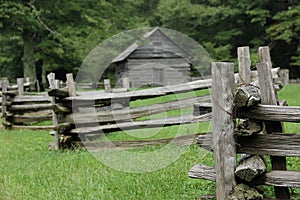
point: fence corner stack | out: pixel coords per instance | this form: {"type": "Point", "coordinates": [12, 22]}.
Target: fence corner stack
{"type": "Point", "coordinates": [259, 112]}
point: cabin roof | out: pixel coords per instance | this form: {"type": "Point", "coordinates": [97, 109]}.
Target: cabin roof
{"type": "Point", "coordinates": [128, 51]}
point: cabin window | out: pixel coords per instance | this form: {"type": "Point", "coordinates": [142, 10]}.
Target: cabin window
{"type": "Point", "coordinates": [158, 76]}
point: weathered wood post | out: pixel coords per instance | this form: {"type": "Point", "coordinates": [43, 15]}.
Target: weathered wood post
{"type": "Point", "coordinates": [71, 85]}
{"type": "Point", "coordinates": [223, 127]}
{"type": "Point", "coordinates": [20, 83]}
{"type": "Point", "coordinates": [107, 87]}
{"type": "Point", "coordinates": [7, 100]}
{"type": "Point", "coordinates": [52, 85]}
{"type": "Point", "coordinates": [4, 95]}
{"type": "Point", "coordinates": [269, 97]}
{"type": "Point", "coordinates": [4, 103]}
{"type": "Point", "coordinates": [244, 65]}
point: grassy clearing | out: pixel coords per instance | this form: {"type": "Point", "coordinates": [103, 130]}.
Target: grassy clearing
{"type": "Point", "coordinates": [29, 171]}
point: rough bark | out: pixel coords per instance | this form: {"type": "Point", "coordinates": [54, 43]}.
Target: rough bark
{"type": "Point", "coordinates": [250, 168]}
{"type": "Point", "coordinates": [244, 192]}
{"type": "Point", "coordinates": [249, 127]}
{"type": "Point", "coordinates": [246, 96]}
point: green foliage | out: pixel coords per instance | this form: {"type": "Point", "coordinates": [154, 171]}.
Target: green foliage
{"type": "Point", "coordinates": [287, 28]}
{"type": "Point", "coordinates": [220, 53]}
{"type": "Point", "coordinates": [220, 26]}
{"type": "Point", "coordinates": [11, 66]}
{"type": "Point", "coordinates": [62, 33]}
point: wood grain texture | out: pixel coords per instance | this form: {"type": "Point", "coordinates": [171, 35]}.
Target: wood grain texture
{"type": "Point", "coordinates": [31, 108]}
{"type": "Point", "coordinates": [129, 144]}
{"type": "Point", "coordinates": [278, 144]}
{"type": "Point", "coordinates": [244, 65]}
{"type": "Point", "coordinates": [23, 119]}
{"type": "Point", "coordinates": [32, 99]}
{"type": "Point", "coordinates": [266, 85]}
{"type": "Point", "coordinates": [71, 85]}
{"type": "Point", "coordinates": [147, 93]}
{"type": "Point", "coordinates": [200, 171]}
{"type": "Point", "coordinates": [223, 128]}
{"type": "Point", "coordinates": [170, 121]}
{"type": "Point", "coordinates": [264, 54]}
{"type": "Point", "coordinates": [50, 127]}
{"type": "Point", "coordinates": [272, 113]}
{"type": "Point", "coordinates": [269, 113]}
{"type": "Point", "coordinates": [133, 113]}
{"type": "Point", "coordinates": [280, 179]}
{"type": "Point", "coordinates": [272, 178]}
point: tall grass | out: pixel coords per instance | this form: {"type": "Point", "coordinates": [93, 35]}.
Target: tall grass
{"type": "Point", "coordinates": [29, 171]}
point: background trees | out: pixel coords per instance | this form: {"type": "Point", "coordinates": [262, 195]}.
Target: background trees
{"type": "Point", "coordinates": [42, 36]}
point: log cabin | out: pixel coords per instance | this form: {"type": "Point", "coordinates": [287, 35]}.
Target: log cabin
{"type": "Point", "coordinates": [157, 60]}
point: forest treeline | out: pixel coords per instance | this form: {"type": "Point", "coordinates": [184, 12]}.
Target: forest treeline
{"type": "Point", "coordinates": [56, 35]}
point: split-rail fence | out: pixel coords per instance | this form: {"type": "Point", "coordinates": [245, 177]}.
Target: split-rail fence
{"type": "Point", "coordinates": [79, 117]}
{"type": "Point", "coordinates": [258, 134]}
{"type": "Point", "coordinates": [21, 109]}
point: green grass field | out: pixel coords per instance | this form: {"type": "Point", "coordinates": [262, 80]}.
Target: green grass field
{"type": "Point", "coordinates": [29, 171]}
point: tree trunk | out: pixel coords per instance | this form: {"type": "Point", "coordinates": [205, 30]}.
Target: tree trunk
{"type": "Point", "coordinates": [28, 56]}
{"type": "Point", "coordinates": [39, 73]}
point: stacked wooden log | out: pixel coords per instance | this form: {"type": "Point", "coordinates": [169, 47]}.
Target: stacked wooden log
{"type": "Point", "coordinates": [250, 166]}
